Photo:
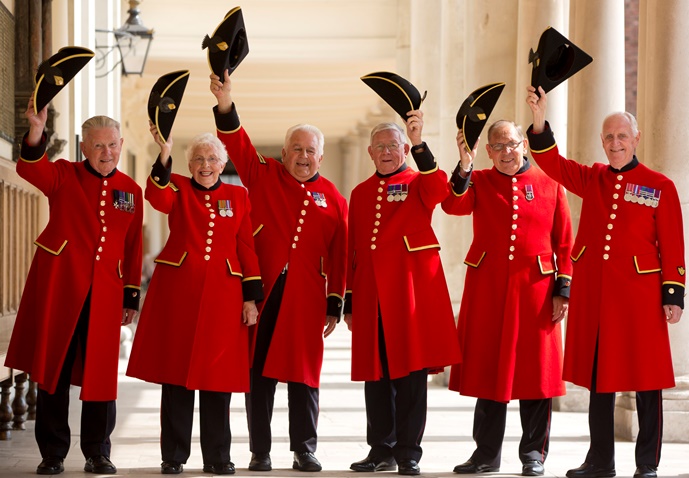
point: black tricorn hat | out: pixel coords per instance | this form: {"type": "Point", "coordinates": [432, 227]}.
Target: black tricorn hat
{"type": "Point", "coordinates": [556, 60]}
{"type": "Point", "coordinates": [165, 99]}
{"type": "Point", "coordinates": [396, 91]}
{"type": "Point", "coordinates": [228, 45]}
{"type": "Point", "coordinates": [475, 110]}
{"type": "Point", "coordinates": [56, 72]}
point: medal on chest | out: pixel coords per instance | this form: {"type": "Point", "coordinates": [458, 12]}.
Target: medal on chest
{"type": "Point", "coordinates": [642, 195]}
{"type": "Point", "coordinates": [123, 200]}
{"type": "Point", "coordinates": [319, 199]}
{"type": "Point", "coordinates": [528, 192]}
{"type": "Point", "coordinates": [225, 208]}
{"type": "Point", "coordinates": [397, 192]}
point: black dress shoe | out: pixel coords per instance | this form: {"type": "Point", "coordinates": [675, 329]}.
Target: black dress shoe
{"type": "Point", "coordinates": [372, 463]}
{"type": "Point", "coordinates": [408, 467]}
{"type": "Point", "coordinates": [533, 468]}
{"type": "Point", "coordinates": [220, 468]}
{"type": "Point", "coordinates": [171, 468]}
{"type": "Point", "coordinates": [100, 465]}
{"type": "Point", "coordinates": [51, 465]}
{"type": "Point", "coordinates": [646, 471]}
{"type": "Point", "coordinates": [470, 467]}
{"type": "Point", "coordinates": [306, 461]}
{"type": "Point", "coordinates": [587, 470]}
{"type": "Point", "coordinates": [260, 462]}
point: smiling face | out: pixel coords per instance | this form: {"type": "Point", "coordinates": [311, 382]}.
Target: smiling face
{"type": "Point", "coordinates": [619, 140]}
{"type": "Point", "coordinates": [301, 155]}
{"type": "Point", "coordinates": [205, 165]}
{"type": "Point", "coordinates": [102, 148]}
{"type": "Point", "coordinates": [388, 150]}
{"type": "Point", "coordinates": [506, 149]}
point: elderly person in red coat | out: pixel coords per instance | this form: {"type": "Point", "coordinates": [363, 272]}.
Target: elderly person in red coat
{"type": "Point", "coordinates": [398, 306]}
{"type": "Point", "coordinates": [300, 229]}
{"type": "Point", "coordinates": [516, 293]}
{"type": "Point", "coordinates": [631, 237]}
{"type": "Point", "coordinates": [82, 286]}
{"type": "Point", "coordinates": [194, 328]}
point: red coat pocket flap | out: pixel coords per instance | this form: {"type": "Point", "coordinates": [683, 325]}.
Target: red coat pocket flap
{"type": "Point", "coordinates": [171, 258]}
{"type": "Point", "coordinates": [51, 245]}
{"type": "Point", "coordinates": [421, 240]}
{"type": "Point", "coordinates": [546, 263]}
{"type": "Point", "coordinates": [234, 267]}
{"type": "Point", "coordinates": [647, 263]}
{"type": "Point", "coordinates": [577, 251]}
{"type": "Point", "coordinates": [474, 257]}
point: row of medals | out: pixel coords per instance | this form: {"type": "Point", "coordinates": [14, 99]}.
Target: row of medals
{"type": "Point", "coordinates": [642, 195]}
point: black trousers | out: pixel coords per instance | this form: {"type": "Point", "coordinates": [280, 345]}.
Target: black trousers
{"type": "Point", "coordinates": [649, 441]}
{"type": "Point", "coordinates": [302, 399]}
{"type": "Point", "coordinates": [176, 419]}
{"type": "Point", "coordinates": [396, 411]}
{"type": "Point", "coordinates": [52, 430]}
{"type": "Point", "coordinates": [489, 430]}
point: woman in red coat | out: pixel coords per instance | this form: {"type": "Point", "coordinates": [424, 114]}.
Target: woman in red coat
{"type": "Point", "coordinates": [193, 331]}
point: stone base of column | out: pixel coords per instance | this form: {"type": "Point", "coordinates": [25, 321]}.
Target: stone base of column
{"type": "Point", "coordinates": [576, 400]}
{"type": "Point", "coordinates": [675, 412]}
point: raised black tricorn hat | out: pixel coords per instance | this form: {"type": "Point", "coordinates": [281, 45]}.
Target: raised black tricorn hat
{"type": "Point", "coordinates": [475, 110]}
{"type": "Point", "coordinates": [228, 45]}
{"type": "Point", "coordinates": [556, 60]}
{"type": "Point", "coordinates": [56, 72]}
{"type": "Point", "coordinates": [165, 99]}
{"type": "Point", "coordinates": [396, 91]}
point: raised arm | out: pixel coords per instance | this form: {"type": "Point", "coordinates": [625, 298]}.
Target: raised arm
{"type": "Point", "coordinates": [538, 105]}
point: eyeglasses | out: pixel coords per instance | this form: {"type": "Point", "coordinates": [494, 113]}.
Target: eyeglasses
{"type": "Point", "coordinates": [512, 145]}
{"type": "Point", "coordinates": [200, 160]}
{"type": "Point", "coordinates": [390, 147]}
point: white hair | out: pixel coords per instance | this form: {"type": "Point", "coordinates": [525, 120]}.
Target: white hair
{"type": "Point", "coordinates": [388, 126]}
{"type": "Point", "coordinates": [628, 116]}
{"type": "Point", "coordinates": [207, 139]}
{"type": "Point", "coordinates": [309, 129]}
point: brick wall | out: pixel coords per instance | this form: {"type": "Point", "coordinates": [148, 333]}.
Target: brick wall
{"type": "Point", "coordinates": [6, 74]}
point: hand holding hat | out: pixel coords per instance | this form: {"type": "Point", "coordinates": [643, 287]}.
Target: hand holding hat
{"type": "Point", "coordinates": [56, 72]}
{"type": "Point", "coordinates": [555, 60]}
{"type": "Point", "coordinates": [228, 45]}
{"type": "Point", "coordinates": [474, 112]}
{"type": "Point", "coordinates": [165, 99]}
{"type": "Point", "coordinates": [399, 93]}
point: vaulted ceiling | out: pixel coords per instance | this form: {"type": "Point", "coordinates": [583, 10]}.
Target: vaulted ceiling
{"type": "Point", "coordinates": [304, 64]}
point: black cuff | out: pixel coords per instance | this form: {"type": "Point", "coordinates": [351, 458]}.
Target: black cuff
{"type": "Point", "coordinates": [673, 294]}
{"type": "Point", "coordinates": [562, 286]}
{"type": "Point", "coordinates": [131, 298]}
{"type": "Point", "coordinates": [348, 303]}
{"type": "Point", "coordinates": [335, 304]}
{"type": "Point", "coordinates": [33, 153]}
{"type": "Point", "coordinates": [541, 142]}
{"type": "Point", "coordinates": [226, 122]}
{"type": "Point", "coordinates": [423, 157]}
{"type": "Point", "coordinates": [460, 184]}
{"type": "Point", "coordinates": [161, 174]}
{"type": "Point", "coordinates": [252, 289]}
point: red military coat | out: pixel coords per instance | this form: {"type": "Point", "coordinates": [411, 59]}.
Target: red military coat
{"type": "Point", "coordinates": [394, 265]}
{"type": "Point", "coordinates": [302, 226]}
{"type": "Point", "coordinates": [92, 242]}
{"type": "Point", "coordinates": [522, 243]}
{"type": "Point", "coordinates": [628, 261]}
{"type": "Point", "coordinates": [190, 332]}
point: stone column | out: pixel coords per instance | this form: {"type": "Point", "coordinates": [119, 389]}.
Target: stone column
{"type": "Point", "coordinates": [663, 103]}
{"type": "Point", "coordinates": [597, 27]}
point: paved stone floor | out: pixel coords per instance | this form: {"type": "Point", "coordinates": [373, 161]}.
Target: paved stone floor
{"type": "Point", "coordinates": [342, 440]}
